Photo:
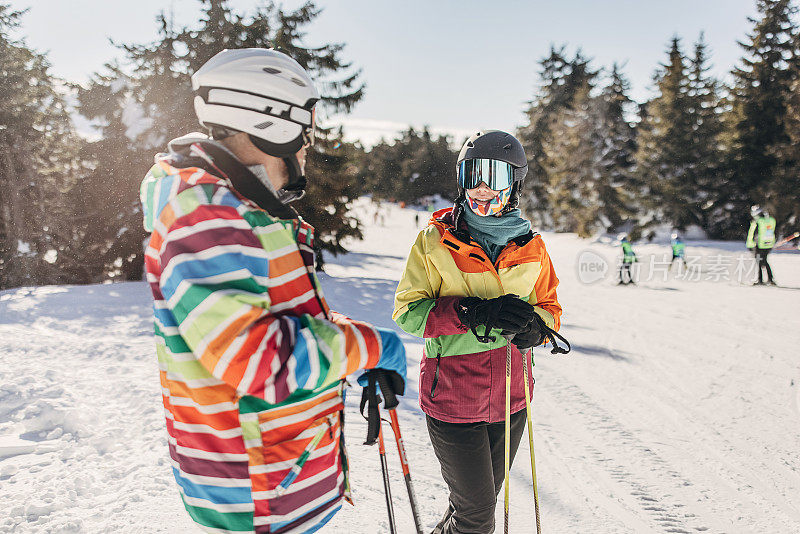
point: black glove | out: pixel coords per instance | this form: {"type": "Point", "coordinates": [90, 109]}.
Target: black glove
{"type": "Point", "coordinates": [531, 336]}
{"type": "Point", "coordinates": [390, 384]}
{"type": "Point", "coordinates": [536, 333]}
{"type": "Point", "coordinates": [508, 312]}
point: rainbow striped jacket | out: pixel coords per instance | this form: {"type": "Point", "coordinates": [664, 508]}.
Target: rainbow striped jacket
{"type": "Point", "coordinates": [251, 358]}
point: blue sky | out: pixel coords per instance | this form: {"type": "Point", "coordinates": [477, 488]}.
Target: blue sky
{"type": "Point", "coordinates": [454, 65]}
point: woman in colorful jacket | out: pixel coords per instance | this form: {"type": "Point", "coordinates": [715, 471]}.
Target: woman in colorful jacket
{"type": "Point", "coordinates": [475, 274]}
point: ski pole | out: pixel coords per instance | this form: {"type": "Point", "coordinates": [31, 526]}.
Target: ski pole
{"type": "Point", "coordinates": [386, 488]}
{"type": "Point", "coordinates": [507, 444]}
{"type": "Point", "coordinates": [786, 240]}
{"type": "Point", "coordinates": [525, 359]}
{"type": "Point", "coordinates": [390, 403]}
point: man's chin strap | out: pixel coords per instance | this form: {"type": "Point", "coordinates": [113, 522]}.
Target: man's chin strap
{"type": "Point", "coordinates": [295, 188]}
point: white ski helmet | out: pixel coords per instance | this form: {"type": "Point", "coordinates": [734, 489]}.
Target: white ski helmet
{"type": "Point", "coordinates": [755, 210]}
{"type": "Point", "coordinates": [261, 92]}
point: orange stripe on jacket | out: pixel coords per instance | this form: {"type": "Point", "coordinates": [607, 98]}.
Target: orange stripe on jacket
{"type": "Point", "coordinates": [300, 407]}
{"type": "Point", "coordinates": [285, 264]}
{"type": "Point", "coordinates": [213, 353]}
{"type": "Point", "coordinates": [204, 396]}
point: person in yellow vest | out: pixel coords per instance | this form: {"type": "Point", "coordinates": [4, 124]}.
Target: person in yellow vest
{"type": "Point", "coordinates": [761, 239]}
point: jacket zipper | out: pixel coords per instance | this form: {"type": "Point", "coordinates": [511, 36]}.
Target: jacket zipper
{"type": "Point", "coordinates": [436, 375]}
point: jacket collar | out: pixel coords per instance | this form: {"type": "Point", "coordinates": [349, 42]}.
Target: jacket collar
{"type": "Point", "coordinates": [215, 159]}
{"type": "Point", "coordinates": [452, 219]}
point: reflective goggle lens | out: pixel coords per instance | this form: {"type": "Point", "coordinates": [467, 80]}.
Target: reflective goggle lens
{"type": "Point", "coordinates": [498, 175]}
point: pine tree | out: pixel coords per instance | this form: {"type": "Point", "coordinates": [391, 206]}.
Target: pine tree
{"type": "Point", "coordinates": [551, 97]}
{"type": "Point", "coordinates": [787, 179]}
{"type": "Point", "coordinates": [38, 167]}
{"type": "Point", "coordinates": [665, 132]}
{"type": "Point", "coordinates": [427, 166]}
{"type": "Point", "coordinates": [410, 168]}
{"type": "Point", "coordinates": [762, 90]}
{"type": "Point", "coordinates": [110, 224]}
{"type": "Point", "coordinates": [617, 188]}
{"type": "Point", "coordinates": [154, 103]}
{"type": "Point", "coordinates": [379, 169]}
{"type": "Point", "coordinates": [332, 221]}
{"type": "Point", "coordinates": [571, 155]}
{"type": "Point", "coordinates": [707, 175]}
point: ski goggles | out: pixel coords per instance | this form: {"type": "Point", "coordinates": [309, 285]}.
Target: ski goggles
{"type": "Point", "coordinates": [498, 175]}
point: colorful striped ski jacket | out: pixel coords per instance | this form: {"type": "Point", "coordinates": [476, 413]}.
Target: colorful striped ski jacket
{"type": "Point", "coordinates": [251, 358]}
{"type": "Point", "coordinates": [461, 379]}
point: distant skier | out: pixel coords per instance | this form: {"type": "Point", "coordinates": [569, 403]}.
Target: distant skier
{"type": "Point", "coordinates": [628, 259]}
{"type": "Point", "coordinates": [761, 239]}
{"type": "Point", "coordinates": [251, 358]}
{"type": "Point", "coordinates": [459, 292]}
{"type": "Point", "coordinates": [416, 219]}
{"type": "Point", "coordinates": [678, 250]}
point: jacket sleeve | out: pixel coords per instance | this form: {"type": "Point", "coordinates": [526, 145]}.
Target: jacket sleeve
{"type": "Point", "coordinates": [417, 307]}
{"type": "Point", "coordinates": [544, 296]}
{"type": "Point", "coordinates": [751, 237]}
{"type": "Point", "coordinates": [215, 281]}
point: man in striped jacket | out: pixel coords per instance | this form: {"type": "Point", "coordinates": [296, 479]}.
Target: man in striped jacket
{"type": "Point", "coordinates": [251, 358]}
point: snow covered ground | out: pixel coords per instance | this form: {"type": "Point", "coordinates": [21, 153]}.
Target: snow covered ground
{"type": "Point", "coordinates": [677, 411]}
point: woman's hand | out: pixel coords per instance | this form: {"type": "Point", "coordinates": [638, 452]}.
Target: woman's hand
{"type": "Point", "coordinates": [531, 336]}
{"type": "Point", "coordinates": [508, 313]}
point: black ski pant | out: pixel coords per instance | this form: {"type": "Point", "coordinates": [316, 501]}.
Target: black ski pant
{"type": "Point", "coordinates": [674, 257]}
{"type": "Point", "coordinates": [761, 256]}
{"type": "Point", "coordinates": [625, 268]}
{"type": "Point", "coordinates": [472, 458]}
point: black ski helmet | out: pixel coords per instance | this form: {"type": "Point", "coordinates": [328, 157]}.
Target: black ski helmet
{"type": "Point", "coordinates": [501, 146]}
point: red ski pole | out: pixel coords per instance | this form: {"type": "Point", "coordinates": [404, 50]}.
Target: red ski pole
{"type": "Point", "coordinates": [786, 240]}
{"type": "Point", "coordinates": [390, 402]}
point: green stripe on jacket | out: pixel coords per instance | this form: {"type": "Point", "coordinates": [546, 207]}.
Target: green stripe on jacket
{"type": "Point", "coordinates": [415, 318]}
{"type": "Point", "coordinates": [233, 521]}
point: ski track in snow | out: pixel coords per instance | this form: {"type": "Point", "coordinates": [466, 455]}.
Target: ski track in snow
{"type": "Point", "coordinates": [678, 410]}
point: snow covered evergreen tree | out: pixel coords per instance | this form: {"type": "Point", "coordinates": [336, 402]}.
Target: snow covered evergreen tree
{"type": "Point", "coordinates": [707, 174]}
{"type": "Point", "coordinates": [407, 169]}
{"type": "Point", "coordinates": [141, 111]}
{"type": "Point", "coordinates": [38, 167]}
{"type": "Point", "coordinates": [761, 99]}
{"type": "Point", "coordinates": [618, 188]}
{"type": "Point", "coordinates": [571, 153]}
{"type": "Point", "coordinates": [665, 137]}
{"type": "Point", "coordinates": [788, 174]}
{"type": "Point", "coordinates": [581, 145]}
{"type": "Point", "coordinates": [551, 97]}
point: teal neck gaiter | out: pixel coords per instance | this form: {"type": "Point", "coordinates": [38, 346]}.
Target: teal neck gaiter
{"type": "Point", "coordinates": [494, 233]}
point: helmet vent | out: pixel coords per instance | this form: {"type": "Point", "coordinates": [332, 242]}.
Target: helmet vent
{"type": "Point", "coordinates": [470, 144]}
{"type": "Point", "coordinates": [299, 82]}
{"type": "Point", "coordinates": [263, 125]}
{"type": "Point", "coordinates": [271, 70]}
{"type": "Point", "coordinates": [507, 147]}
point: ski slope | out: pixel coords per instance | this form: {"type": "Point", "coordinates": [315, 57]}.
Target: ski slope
{"type": "Point", "coordinates": [678, 409]}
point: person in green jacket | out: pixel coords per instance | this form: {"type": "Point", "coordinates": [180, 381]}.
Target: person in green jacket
{"type": "Point", "coordinates": [678, 249]}
{"type": "Point", "coordinates": [628, 259]}
{"type": "Point", "coordinates": [761, 239]}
